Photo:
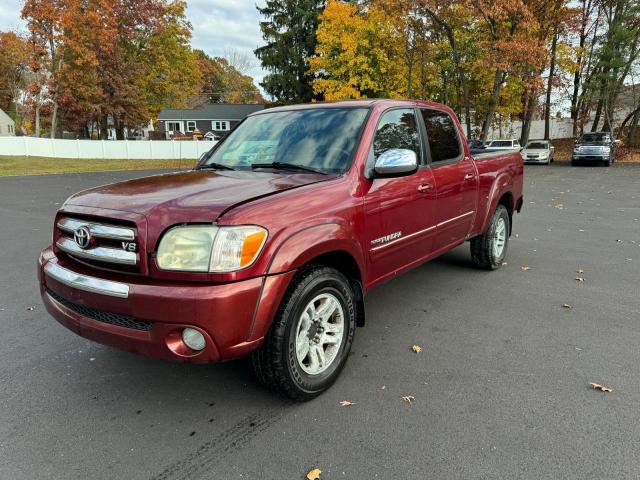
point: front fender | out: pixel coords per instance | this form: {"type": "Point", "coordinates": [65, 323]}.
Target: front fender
{"type": "Point", "coordinates": [301, 247]}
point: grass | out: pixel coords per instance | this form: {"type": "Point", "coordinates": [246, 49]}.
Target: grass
{"type": "Point", "coordinates": [10, 165]}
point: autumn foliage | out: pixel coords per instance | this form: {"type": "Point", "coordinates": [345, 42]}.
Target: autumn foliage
{"type": "Point", "coordinates": [88, 64]}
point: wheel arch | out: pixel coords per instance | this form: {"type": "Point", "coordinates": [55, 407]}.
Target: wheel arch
{"type": "Point", "coordinates": [331, 244]}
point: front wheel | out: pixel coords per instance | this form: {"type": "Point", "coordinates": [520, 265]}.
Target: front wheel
{"type": "Point", "coordinates": [311, 336]}
{"type": "Point", "coordinates": [489, 250]}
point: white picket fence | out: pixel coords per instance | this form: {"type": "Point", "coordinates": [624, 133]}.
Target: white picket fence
{"type": "Point", "coordinates": [105, 149]}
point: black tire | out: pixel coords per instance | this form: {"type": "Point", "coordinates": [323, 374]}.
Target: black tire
{"type": "Point", "coordinates": [574, 162]}
{"type": "Point", "coordinates": [482, 252]}
{"type": "Point", "coordinates": [608, 163]}
{"type": "Point", "coordinates": [275, 363]}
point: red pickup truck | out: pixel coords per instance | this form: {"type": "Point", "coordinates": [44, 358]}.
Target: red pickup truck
{"type": "Point", "coordinates": [270, 244]}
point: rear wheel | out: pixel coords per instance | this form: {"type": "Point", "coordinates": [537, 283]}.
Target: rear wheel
{"type": "Point", "coordinates": [311, 336]}
{"type": "Point", "coordinates": [489, 250]}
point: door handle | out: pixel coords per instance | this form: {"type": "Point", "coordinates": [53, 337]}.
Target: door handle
{"type": "Point", "coordinates": [469, 176]}
{"type": "Point", "coordinates": [425, 187]}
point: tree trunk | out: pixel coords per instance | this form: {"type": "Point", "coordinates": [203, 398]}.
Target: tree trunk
{"type": "Point", "coordinates": [633, 129]}
{"type": "Point", "coordinates": [37, 128]}
{"type": "Point", "coordinates": [596, 118]}
{"type": "Point", "coordinates": [527, 116]}
{"type": "Point", "coordinates": [577, 76]}
{"type": "Point", "coordinates": [547, 106]}
{"type": "Point", "coordinates": [104, 129]}
{"type": "Point", "coordinates": [493, 103]}
{"type": "Point", "coordinates": [54, 119]}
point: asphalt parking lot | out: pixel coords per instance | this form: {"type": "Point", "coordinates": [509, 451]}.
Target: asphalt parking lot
{"type": "Point", "coordinates": [501, 386]}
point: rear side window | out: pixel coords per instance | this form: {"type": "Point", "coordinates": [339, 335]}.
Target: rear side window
{"type": "Point", "coordinates": [444, 142]}
{"type": "Point", "coordinates": [397, 129]}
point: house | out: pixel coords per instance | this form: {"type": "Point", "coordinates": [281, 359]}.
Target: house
{"type": "Point", "coordinates": [7, 125]}
{"type": "Point", "coordinates": [212, 120]}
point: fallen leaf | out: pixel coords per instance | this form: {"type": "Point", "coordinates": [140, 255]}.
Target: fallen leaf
{"type": "Point", "coordinates": [30, 309]}
{"type": "Point", "coordinates": [382, 387]}
{"type": "Point", "coordinates": [580, 271]}
{"type": "Point", "coordinates": [314, 474]}
{"type": "Point", "coordinates": [408, 399]}
{"type": "Point", "coordinates": [525, 268]}
{"type": "Point", "coordinates": [346, 403]}
{"type": "Point", "coordinates": [416, 348]}
{"type": "Point", "coordinates": [504, 263]}
{"type": "Point", "coordinates": [579, 279]}
{"type": "Point", "coordinates": [602, 388]}
{"type": "Point", "coordinates": [567, 306]}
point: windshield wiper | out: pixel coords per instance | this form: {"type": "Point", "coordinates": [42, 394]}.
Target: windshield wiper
{"type": "Point", "coordinates": [214, 166]}
{"type": "Point", "coordinates": [284, 166]}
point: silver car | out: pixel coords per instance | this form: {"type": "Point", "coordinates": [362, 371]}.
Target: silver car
{"type": "Point", "coordinates": [538, 151]}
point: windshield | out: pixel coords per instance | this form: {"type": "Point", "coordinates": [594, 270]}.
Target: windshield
{"type": "Point", "coordinates": [501, 143]}
{"type": "Point", "coordinates": [595, 137]}
{"type": "Point", "coordinates": [538, 145]}
{"type": "Point", "coordinates": [318, 138]}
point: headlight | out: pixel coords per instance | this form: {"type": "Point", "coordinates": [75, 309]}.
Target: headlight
{"type": "Point", "coordinates": [606, 150]}
{"type": "Point", "coordinates": [208, 248]}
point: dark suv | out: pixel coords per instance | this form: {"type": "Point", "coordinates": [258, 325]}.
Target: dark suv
{"type": "Point", "coordinates": [594, 147]}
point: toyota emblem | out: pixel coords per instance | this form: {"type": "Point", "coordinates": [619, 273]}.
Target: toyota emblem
{"type": "Point", "coordinates": [82, 237]}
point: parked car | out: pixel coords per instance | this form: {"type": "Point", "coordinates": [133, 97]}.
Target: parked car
{"type": "Point", "coordinates": [476, 145]}
{"type": "Point", "coordinates": [269, 245]}
{"type": "Point", "coordinates": [594, 147]}
{"type": "Point", "coordinates": [538, 151]}
{"type": "Point", "coordinates": [508, 144]}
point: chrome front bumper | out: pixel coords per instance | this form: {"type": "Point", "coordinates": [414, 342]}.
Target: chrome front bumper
{"type": "Point", "coordinates": [85, 282]}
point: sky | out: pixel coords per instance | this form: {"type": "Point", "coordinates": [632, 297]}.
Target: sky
{"type": "Point", "coordinates": [218, 26]}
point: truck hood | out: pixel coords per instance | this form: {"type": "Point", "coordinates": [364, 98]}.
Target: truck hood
{"type": "Point", "coordinates": [192, 196]}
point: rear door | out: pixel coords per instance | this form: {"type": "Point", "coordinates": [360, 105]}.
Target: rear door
{"type": "Point", "coordinates": [456, 179]}
{"type": "Point", "coordinates": [400, 212]}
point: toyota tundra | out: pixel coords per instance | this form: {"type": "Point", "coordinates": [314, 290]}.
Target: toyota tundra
{"type": "Point", "coordinates": [270, 244]}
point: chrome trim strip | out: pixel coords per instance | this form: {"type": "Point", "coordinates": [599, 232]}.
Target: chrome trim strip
{"type": "Point", "coordinates": [456, 218]}
{"type": "Point", "coordinates": [99, 230]}
{"type": "Point", "coordinates": [83, 282]}
{"type": "Point", "coordinates": [380, 247]}
{"type": "Point", "coordinates": [101, 254]}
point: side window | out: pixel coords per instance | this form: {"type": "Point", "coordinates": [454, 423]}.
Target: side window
{"type": "Point", "coordinates": [444, 142]}
{"type": "Point", "coordinates": [397, 129]}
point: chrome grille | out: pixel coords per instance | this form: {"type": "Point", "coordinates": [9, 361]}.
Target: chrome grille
{"type": "Point", "coordinates": [97, 230]}
{"type": "Point", "coordinates": [107, 246]}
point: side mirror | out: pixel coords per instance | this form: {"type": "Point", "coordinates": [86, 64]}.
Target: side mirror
{"type": "Point", "coordinates": [396, 162]}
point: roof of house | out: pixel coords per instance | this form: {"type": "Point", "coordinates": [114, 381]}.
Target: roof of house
{"type": "Point", "coordinates": [215, 111]}
{"type": "Point", "coordinates": [6, 118]}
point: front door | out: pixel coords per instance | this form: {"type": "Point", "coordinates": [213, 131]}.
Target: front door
{"type": "Point", "coordinates": [456, 179]}
{"type": "Point", "coordinates": [399, 212]}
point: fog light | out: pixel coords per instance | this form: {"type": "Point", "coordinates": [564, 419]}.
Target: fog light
{"type": "Point", "coordinates": [193, 339]}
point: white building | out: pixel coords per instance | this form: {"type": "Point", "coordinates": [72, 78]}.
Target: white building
{"type": "Point", "coordinates": [7, 125]}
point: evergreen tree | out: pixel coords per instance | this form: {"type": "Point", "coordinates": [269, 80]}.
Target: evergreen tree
{"type": "Point", "coordinates": [290, 34]}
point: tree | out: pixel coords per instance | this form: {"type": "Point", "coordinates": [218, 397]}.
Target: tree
{"type": "Point", "coordinates": [447, 15]}
{"type": "Point", "coordinates": [14, 68]}
{"type": "Point", "coordinates": [223, 80]}
{"type": "Point", "coordinates": [109, 62]}
{"type": "Point", "coordinates": [359, 54]}
{"type": "Point", "coordinates": [290, 32]}
{"type": "Point", "coordinates": [615, 57]}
